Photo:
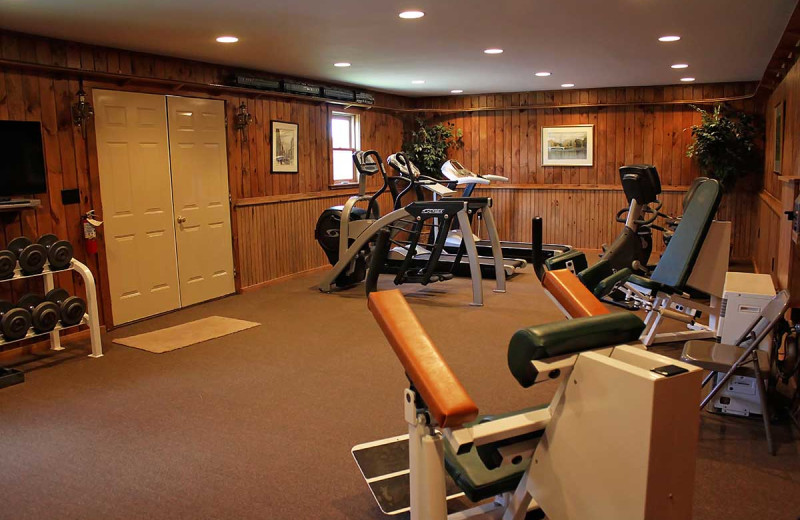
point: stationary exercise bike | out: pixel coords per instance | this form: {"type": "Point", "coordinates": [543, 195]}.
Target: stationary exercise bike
{"type": "Point", "coordinates": [631, 250]}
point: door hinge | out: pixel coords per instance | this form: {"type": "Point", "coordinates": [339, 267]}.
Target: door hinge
{"type": "Point", "coordinates": [235, 274]}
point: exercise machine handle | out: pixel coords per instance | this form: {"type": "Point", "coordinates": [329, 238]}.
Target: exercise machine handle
{"type": "Point", "coordinates": [445, 397]}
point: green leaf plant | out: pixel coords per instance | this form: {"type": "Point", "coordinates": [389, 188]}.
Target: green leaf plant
{"type": "Point", "coordinates": [726, 145]}
{"type": "Point", "coordinates": [427, 145]}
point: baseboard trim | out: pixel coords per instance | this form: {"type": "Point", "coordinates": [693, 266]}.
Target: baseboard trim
{"type": "Point", "coordinates": [262, 285]}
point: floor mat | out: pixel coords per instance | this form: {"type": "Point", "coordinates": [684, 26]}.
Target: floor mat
{"type": "Point", "coordinates": [180, 336]}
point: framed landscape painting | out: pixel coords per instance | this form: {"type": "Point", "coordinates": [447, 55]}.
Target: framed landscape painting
{"type": "Point", "coordinates": [568, 145]}
{"type": "Point", "coordinates": [284, 147]}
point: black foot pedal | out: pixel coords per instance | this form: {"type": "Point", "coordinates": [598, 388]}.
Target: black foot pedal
{"type": "Point", "coordinates": [384, 465]}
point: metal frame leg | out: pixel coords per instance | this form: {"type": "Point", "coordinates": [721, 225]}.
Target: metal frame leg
{"type": "Point", "coordinates": [765, 412]}
{"type": "Point", "coordinates": [55, 336]}
{"type": "Point", "coordinates": [426, 465]}
{"type": "Point", "coordinates": [91, 311]}
{"type": "Point", "coordinates": [497, 250]}
{"type": "Point", "coordinates": [472, 256]}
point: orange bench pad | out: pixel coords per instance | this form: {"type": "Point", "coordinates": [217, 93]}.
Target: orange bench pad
{"type": "Point", "coordinates": [447, 400]}
{"type": "Point", "coordinates": [568, 290]}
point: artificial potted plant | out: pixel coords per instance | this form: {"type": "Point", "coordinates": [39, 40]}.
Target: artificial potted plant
{"type": "Point", "coordinates": [726, 144]}
{"type": "Point", "coordinates": [427, 145]}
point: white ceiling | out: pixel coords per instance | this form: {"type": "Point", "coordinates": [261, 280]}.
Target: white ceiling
{"type": "Point", "coordinates": [592, 43]}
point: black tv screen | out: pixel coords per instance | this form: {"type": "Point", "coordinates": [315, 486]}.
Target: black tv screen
{"type": "Point", "coordinates": [22, 169]}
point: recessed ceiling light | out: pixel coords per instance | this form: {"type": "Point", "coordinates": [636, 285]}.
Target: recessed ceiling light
{"type": "Point", "coordinates": [227, 39]}
{"type": "Point", "coordinates": [669, 38]}
{"type": "Point", "coordinates": [680, 66]}
{"type": "Point", "coordinates": [542, 74]}
{"type": "Point", "coordinates": [341, 64]}
{"type": "Point", "coordinates": [568, 85]}
{"type": "Point", "coordinates": [493, 51]}
{"type": "Point", "coordinates": [457, 91]}
{"type": "Point", "coordinates": [418, 81]}
{"type": "Point", "coordinates": [410, 15]}
{"type": "Point", "coordinates": [687, 80]}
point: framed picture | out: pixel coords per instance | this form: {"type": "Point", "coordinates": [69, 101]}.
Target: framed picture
{"type": "Point", "coordinates": [568, 145]}
{"type": "Point", "coordinates": [778, 155]}
{"type": "Point", "coordinates": [284, 147]}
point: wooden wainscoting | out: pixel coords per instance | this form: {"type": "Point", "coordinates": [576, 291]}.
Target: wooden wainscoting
{"type": "Point", "coordinates": [583, 217]}
{"type": "Point", "coordinates": [276, 234]}
{"type": "Point", "coordinates": [766, 236]}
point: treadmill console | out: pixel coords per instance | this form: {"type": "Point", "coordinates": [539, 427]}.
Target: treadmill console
{"type": "Point", "coordinates": [454, 170]}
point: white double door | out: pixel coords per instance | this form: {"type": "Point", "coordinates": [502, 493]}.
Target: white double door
{"type": "Point", "coordinates": [164, 189]}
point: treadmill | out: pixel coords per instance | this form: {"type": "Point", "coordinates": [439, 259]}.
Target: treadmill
{"type": "Point", "coordinates": [456, 172]}
{"type": "Point", "coordinates": [452, 259]}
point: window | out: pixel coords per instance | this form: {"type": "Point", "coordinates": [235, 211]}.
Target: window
{"type": "Point", "coordinates": [345, 136]}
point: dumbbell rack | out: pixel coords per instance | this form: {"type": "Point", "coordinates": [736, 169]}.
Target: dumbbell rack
{"type": "Point", "coordinates": [91, 318]}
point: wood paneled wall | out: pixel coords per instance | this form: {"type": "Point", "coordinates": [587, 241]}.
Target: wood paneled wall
{"type": "Point", "coordinates": [584, 217]}
{"type": "Point", "coordinates": [72, 161]}
{"type": "Point", "coordinates": [280, 235]}
{"type": "Point", "coordinates": [631, 125]}
{"type": "Point", "coordinates": [648, 129]}
{"type": "Point", "coordinates": [770, 209]}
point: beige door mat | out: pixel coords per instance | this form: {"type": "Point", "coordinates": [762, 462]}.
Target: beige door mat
{"type": "Point", "coordinates": [180, 336]}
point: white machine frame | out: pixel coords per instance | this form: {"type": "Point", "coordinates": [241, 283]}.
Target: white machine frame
{"type": "Point", "coordinates": [642, 470]}
{"type": "Point", "coordinates": [708, 275]}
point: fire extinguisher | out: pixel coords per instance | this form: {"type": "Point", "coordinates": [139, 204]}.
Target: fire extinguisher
{"type": "Point", "coordinates": [90, 225]}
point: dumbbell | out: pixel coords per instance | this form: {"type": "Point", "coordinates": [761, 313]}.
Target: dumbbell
{"type": "Point", "coordinates": [71, 308]}
{"type": "Point", "coordinates": [31, 257]}
{"type": "Point", "coordinates": [44, 313]}
{"type": "Point", "coordinates": [59, 252]}
{"type": "Point", "coordinates": [8, 262]}
{"type": "Point", "coordinates": [14, 321]}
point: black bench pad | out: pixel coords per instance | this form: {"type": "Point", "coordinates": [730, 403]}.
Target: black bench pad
{"type": "Point", "coordinates": [471, 474]}
{"type": "Point", "coordinates": [568, 337]}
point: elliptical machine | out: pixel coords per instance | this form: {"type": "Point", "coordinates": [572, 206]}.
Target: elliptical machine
{"type": "Point", "coordinates": [339, 226]}
{"type": "Point", "coordinates": [348, 235]}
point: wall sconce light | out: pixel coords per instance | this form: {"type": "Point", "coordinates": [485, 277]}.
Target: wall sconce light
{"type": "Point", "coordinates": [243, 118]}
{"type": "Point", "coordinates": [82, 111]}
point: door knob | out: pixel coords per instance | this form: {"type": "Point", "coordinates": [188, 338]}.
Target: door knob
{"type": "Point", "coordinates": [181, 220]}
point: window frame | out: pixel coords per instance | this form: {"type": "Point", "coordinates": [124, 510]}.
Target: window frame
{"type": "Point", "coordinates": [355, 143]}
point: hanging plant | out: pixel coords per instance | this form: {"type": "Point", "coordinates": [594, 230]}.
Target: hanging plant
{"type": "Point", "coordinates": [726, 145]}
{"type": "Point", "coordinates": [427, 146]}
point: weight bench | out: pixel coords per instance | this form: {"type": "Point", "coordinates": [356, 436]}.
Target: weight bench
{"type": "Point", "coordinates": [665, 293]}
{"type": "Point", "coordinates": [637, 399]}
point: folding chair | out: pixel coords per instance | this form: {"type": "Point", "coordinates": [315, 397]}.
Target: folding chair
{"type": "Point", "coordinates": [742, 359]}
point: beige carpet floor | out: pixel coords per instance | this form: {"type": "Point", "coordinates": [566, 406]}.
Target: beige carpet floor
{"type": "Point", "coordinates": [259, 424]}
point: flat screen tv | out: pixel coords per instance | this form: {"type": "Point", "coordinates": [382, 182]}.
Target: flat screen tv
{"type": "Point", "coordinates": [22, 169]}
